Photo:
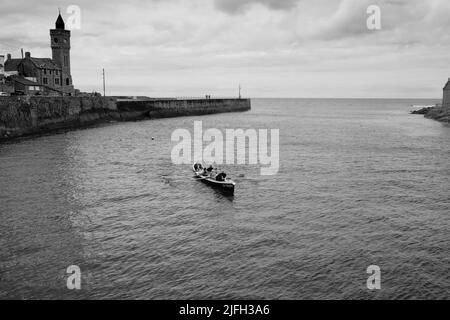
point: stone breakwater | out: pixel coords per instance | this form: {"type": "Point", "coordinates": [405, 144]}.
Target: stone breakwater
{"type": "Point", "coordinates": [21, 116]}
{"type": "Point", "coordinates": [436, 113]}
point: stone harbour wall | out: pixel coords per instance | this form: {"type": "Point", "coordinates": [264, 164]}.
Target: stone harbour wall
{"type": "Point", "coordinates": [22, 115]}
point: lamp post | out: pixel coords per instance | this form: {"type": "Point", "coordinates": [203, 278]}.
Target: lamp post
{"type": "Point", "coordinates": [104, 87]}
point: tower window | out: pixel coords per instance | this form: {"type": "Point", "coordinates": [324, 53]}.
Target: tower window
{"type": "Point", "coordinates": [67, 82]}
{"type": "Point", "coordinates": [65, 61]}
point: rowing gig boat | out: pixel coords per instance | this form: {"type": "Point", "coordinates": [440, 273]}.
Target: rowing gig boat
{"type": "Point", "coordinates": [227, 185]}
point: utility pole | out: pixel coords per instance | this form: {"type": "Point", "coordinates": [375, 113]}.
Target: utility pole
{"type": "Point", "coordinates": [104, 87]}
{"type": "Point", "coordinates": [239, 91]}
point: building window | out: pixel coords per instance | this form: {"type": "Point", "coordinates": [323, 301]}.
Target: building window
{"type": "Point", "coordinates": [45, 71]}
{"type": "Point", "coordinates": [57, 72]}
{"type": "Point", "coordinates": [50, 71]}
{"type": "Point", "coordinates": [45, 81]}
{"type": "Point", "coordinates": [57, 81]}
{"type": "Point", "coordinates": [65, 61]}
{"type": "Point", "coordinates": [67, 82]}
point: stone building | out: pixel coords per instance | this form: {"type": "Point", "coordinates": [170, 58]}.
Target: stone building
{"type": "Point", "coordinates": [26, 86]}
{"type": "Point", "coordinates": [446, 95]}
{"type": "Point", "coordinates": [6, 86]}
{"type": "Point", "coordinates": [60, 43]}
{"type": "Point", "coordinates": [2, 65]}
{"type": "Point", "coordinates": [51, 76]}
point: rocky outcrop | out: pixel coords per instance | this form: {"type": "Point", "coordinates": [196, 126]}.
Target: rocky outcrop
{"type": "Point", "coordinates": [439, 114]}
{"type": "Point", "coordinates": [436, 113]}
{"type": "Point", "coordinates": [422, 110]}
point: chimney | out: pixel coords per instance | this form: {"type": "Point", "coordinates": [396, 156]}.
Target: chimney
{"type": "Point", "coordinates": [8, 56]}
{"type": "Point", "coordinates": [27, 55]}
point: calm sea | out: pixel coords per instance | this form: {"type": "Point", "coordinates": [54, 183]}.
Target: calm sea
{"type": "Point", "coordinates": [361, 182]}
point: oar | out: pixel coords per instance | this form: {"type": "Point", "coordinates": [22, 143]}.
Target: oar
{"type": "Point", "coordinates": [202, 178]}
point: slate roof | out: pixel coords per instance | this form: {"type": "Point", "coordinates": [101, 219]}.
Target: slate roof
{"type": "Point", "coordinates": [25, 81]}
{"type": "Point", "coordinates": [12, 64]}
{"type": "Point", "coordinates": [46, 63]}
{"type": "Point", "coordinates": [447, 86]}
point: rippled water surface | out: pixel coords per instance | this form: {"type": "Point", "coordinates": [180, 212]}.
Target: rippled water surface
{"type": "Point", "coordinates": [361, 182]}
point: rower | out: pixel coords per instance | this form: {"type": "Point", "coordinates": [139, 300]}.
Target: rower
{"type": "Point", "coordinates": [221, 176]}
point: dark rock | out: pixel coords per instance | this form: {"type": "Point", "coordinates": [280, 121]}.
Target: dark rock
{"type": "Point", "coordinates": [425, 110]}
{"type": "Point", "coordinates": [439, 114]}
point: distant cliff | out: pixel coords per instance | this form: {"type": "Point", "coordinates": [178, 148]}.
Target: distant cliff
{"type": "Point", "coordinates": [20, 116]}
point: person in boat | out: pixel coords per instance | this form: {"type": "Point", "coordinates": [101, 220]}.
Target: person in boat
{"type": "Point", "coordinates": [210, 168]}
{"type": "Point", "coordinates": [221, 176]}
{"type": "Point", "coordinates": [205, 172]}
{"type": "Point", "coordinates": [198, 167]}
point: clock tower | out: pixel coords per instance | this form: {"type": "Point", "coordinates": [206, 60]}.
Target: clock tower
{"type": "Point", "coordinates": [60, 43]}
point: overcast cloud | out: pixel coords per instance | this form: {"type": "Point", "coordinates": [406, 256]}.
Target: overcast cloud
{"type": "Point", "coordinates": [274, 48]}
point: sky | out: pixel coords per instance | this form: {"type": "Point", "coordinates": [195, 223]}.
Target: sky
{"type": "Point", "coordinates": [272, 48]}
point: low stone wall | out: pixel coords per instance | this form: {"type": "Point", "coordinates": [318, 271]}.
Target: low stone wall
{"type": "Point", "coordinates": [21, 116]}
{"type": "Point", "coordinates": [152, 109]}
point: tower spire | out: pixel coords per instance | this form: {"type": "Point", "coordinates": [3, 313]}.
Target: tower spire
{"type": "Point", "coordinates": [60, 25]}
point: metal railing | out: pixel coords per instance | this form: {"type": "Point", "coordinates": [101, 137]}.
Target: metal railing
{"type": "Point", "coordinates": [210, 97]}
